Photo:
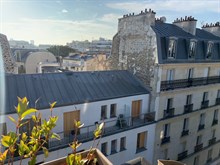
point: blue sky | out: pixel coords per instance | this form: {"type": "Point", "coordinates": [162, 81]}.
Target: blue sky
{"type": "Point", "coordinates": [61, 21]}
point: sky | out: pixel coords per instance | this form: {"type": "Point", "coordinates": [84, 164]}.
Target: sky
{"type": "Point", "coordinates": [61, 21]}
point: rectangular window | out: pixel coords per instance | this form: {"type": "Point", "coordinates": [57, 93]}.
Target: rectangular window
{"type": "Point", "coordinates": [209, 50]}
{"type": "Point", "coordinates": [166, 130]}
{"type": "Point", "coordinates": [123, 143]}
{"type": "Point", "coordinates": [205, 96]}
{"type": "Point", "coordinates": [170, 74]}
{"type": "Point", "coordinates": [27, 127]}
{"type": "Point", "coordinates": [190, 73]}
{"type": "Point", "coordinates": [165, 154]}
{"type": "Point", "coordinates": [209, 157]}
{"type": "Point", "coordinates": [182, 147]}
{"type": "Point", "coordinates": [202, 119]}
{"type": "Point", "coordinates": [141, 140]}
{"type": "Point", "coordinates": [199, 140]}
{"type": "Point", "coordinates": [169, 103]}
{"type": "Point", "coordinates": [172, 48]}
{"type": "Point", "coordinates": [188, 99]}
{"type": "Point", "coordinates": [103, 112]}
{"type": "Point", "coordinates": [196, 160]}
{"type": "Point", "coordinates": [186, 124]}
{"type": "Point", "coordinates": [215, 115]}
{"type": "Point", "coordinates": [3, 129]}
{"type": "Point", "coordinates": [104, 148]}
{"type": "Point", "coordinates": [113, 146]}
{"type": "Point", "coordinates": [213, 133]}
{"type": "Point", "coordinates": [218, 94]}
{"type": "Point", "coordinates": [192, 49]}
{"type": "Point", "coordinates": [113, 110]}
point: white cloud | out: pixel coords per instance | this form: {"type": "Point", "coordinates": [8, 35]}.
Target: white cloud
{"type": "Point", "coordinates": [64, 11]}
{"type": "Point", "coordinates": [168, 5]}
{"type": "Point", "coordinates": [111, 17]}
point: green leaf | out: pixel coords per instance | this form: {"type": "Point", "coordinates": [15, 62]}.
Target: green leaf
{"type": "Point", "coordinates": [46, 152]}
{"type": "Point", "coordinates": [55, 136]}
{"type": "Point", "coordinates": [6, 141]}
{"type": "Point", "coordinates": [12, 119]}
{"type": "Point", "coordinates": [27, 112]}
{"type": "Point", "coordinates": [32, 161]}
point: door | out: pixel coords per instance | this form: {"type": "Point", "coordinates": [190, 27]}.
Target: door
{"type": "Point", "coordinates": [68, 119]}
{"type": "Point", "coordinates": [136, 109]}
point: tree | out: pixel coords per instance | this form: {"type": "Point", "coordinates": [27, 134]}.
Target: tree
{"type": "Point", "coordinates": [60, 50]}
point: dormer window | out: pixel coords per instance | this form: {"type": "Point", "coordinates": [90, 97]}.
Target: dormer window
{"type": "Point", "coordinates": [172, 48]}
{"type": "Point", "coordinates": [209, 50]}
{"type": "Point", "coordinates": [192, 49]}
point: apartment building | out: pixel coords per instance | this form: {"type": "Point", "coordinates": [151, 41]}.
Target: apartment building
{"type": "Point", "coordinates": [181, 65]}
{"type": "Point", "coordinates": [115, 97]}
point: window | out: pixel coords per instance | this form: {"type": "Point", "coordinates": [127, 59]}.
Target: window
{"type": "Point", "coordinates": [165, 154]}
{"type": "Point", "coordinates": [113, 146]}
{"type": "Point", "coordinates": [199, 140]}
{"type": "Point", "coordinates": [188, 99]}
{"type": "Point", "coordinates": [190, 73]}
{"type": "Point", "coordinates": [166, 130]}
{"type": "Point", "coordinates": [209, 157]}
{"type": "Point", "coordinates": [202, 119]}
{"type": "Point", "coordinates": [27, 127]}
{"type": "Point", "coordinates": [3, 129]}
{"type": "Point", "coordinates": [182, 147]}
{"type": "Point", "coordinates": [215, 117]}
{"type": "Point", "coordinates": [123, 143]}
{"type": "Point", "coordinates": [172, 48]}
{"type": "Point", "coordinates": [170, 74]}
{"type": "Point", "coordinates": [104, 112]}
{"type": "Point", "coordinates": [209, 50]}
{"type": "Point", "coordinates": [205, 96]}
{"type": "Point", "coordinates": [218, 94]}
{"type": "Point", "coordinates": [113, 110]}
{"type": "Point", "coordinates": [169, 103]}
{"type": "Point", "coordinates": [104, 148]}
{"type": "Point", "coordinates": [185, 124]}
{"type": "Point", "coordinates": [213, 133]}
{"type": "Point", "coordinates": [141, 140]}
{"type": "Point", "coordinates": [196, 160]}
{"type": "Point", "coordinates": [192, 49]}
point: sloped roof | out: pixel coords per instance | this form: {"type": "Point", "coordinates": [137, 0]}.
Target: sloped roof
{"type": "Point", "coordinates": [165, 30]}
{"type": "Point", "coordinates": [70, 88]}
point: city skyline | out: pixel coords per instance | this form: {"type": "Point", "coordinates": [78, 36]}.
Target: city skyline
{"type": "Point", "coordinates": [59, 22]}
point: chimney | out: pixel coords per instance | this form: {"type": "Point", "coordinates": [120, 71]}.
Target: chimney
{"type": "Point", "coordinates": [188, 24]}
{"type": "Point", "coordinates": [212, 28]}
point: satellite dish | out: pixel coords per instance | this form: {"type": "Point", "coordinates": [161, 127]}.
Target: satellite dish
{"type": "Point", "coordinates": [163, 19]}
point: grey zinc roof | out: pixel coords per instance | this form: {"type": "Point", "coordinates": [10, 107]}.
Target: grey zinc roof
{"type": "Point", "coordinates": [70, 88]}
{"type": "Point", "coordinates": [164, 31]}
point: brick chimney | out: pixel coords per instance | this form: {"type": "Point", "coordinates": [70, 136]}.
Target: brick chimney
{"type": "Point", "coordinates": [188, 24]}
{"type": "Point", "coordinates": [212, 28]}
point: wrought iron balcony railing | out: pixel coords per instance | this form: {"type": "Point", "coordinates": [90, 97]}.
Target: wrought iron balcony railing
{"type": "Point", "coordinates": [111, 127]}
{"type": "Point", "coordinates": [188, 108]}
{"type": "Point", "coordinates": [201, 126]}
{"type": "Point", "coordinates": [212, 141]}
{"type": "Point", "coordinates": [185, 132]}
{"type": "Point", "coordinates": [186, 83]}
{"type": "Point", "coordinates": [182, 155]}
{"type": "Point", "coordinates": [198, 147]}
{"type": "Point", "coordinates": [165, 140]}
{"type": "Point", "coordinates": [204, 104]}
{"type": "Point", "coordinates": [168, 112]}
{"type": "Point", "coordinates": [215, 121]}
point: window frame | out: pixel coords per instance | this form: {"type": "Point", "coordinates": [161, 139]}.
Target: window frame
{"type": "Point", "coordinates": [189, 99]}
{"type": "Point", "coordinates": [186, 124]}
{"type": "Point", "coordinates": [113, 108]}
{"type": "Point", "coordinates": [172, 48]}
{"type": "Point", "coordinates": [3, 127]}
{"type": "Point", "coordinates": [114, 146]}
{"type": "Point", "coordinates": [192, 49]}
{"type": "Point", "coordinates": [104, 112]}
{"type": "Point", "coordinates": [209, 51]}
{"type": "Point", "coordinates": [104, 148]}
{"type": "Point", "coordinates": [141, 140]}
{"type": "Point", "coordinates": [123, 143]}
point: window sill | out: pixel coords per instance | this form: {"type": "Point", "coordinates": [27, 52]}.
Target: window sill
{"type": "Point", "coordinates": [140, 149]}
{"type": "Point", "coordinates": [113, 152]}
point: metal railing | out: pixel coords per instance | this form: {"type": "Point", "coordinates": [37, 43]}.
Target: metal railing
{"type": "Point", "coordinates": [204, 104]}
{"type": "Point", "coordinates": [182, 155]}
{"type": "Point", "coordinates": [185, 83]}
{"type": "Point", "coordinates": [165, 140]}
{"type": "Point", "coordinates": [188, 108]}
{"type": "Point", "coordinates": [114, 126]}
{"type": "Point", "coordinates": [185, 132]}
{"type": "Point", "coordinates": [217, 101]}
{"type": "Point", "coordinates": [212, 141]}
{"type": "Point", "coordinates": [198, 147]}
{"type": "Point", "coordinates": [168, 112]}
{"type": "Point", "coordinates": [215, 121]}
{"type": "Point", "coordinates": [201, 126]}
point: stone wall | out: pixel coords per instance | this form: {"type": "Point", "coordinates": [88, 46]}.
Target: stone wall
{"type": "Point", "coordinates": [8, 60]}
{"type": "Point", "coordinates": [134, 45]}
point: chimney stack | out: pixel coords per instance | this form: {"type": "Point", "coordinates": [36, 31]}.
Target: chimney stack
{"type": "Point", "coordinates": [212, 28]}
{"type": "Point", "coordinates": [188, 24]}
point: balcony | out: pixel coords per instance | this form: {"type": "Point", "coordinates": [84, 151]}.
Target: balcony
{"type": "Point", "coordinates": [215, 121]}
{"type": "Point", "coordinates": [168, 113]}
{"type": "Point", "coordinates": [204, 104]}
{"type": "Point", "coordinates": [186, 83]}
{"type": "Point", "coordinates": [198, 147]}
{"type": "Point", "coordinates": [185, 132]}
{"type": "Point", "coordinates": [188, 108]}
{"type": "Point", "coordinates": [165, 140]}
{"type": "Point", "coordinates": [182, 155]}
{"type": "Point", "coordinates": [212, 141]}
{"type": "Point", "coordinates": [201, 126]}
{"type": "Point", "coordinates": [217, 101]}
{"type": "Point", "coordinates": [111, 127]}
